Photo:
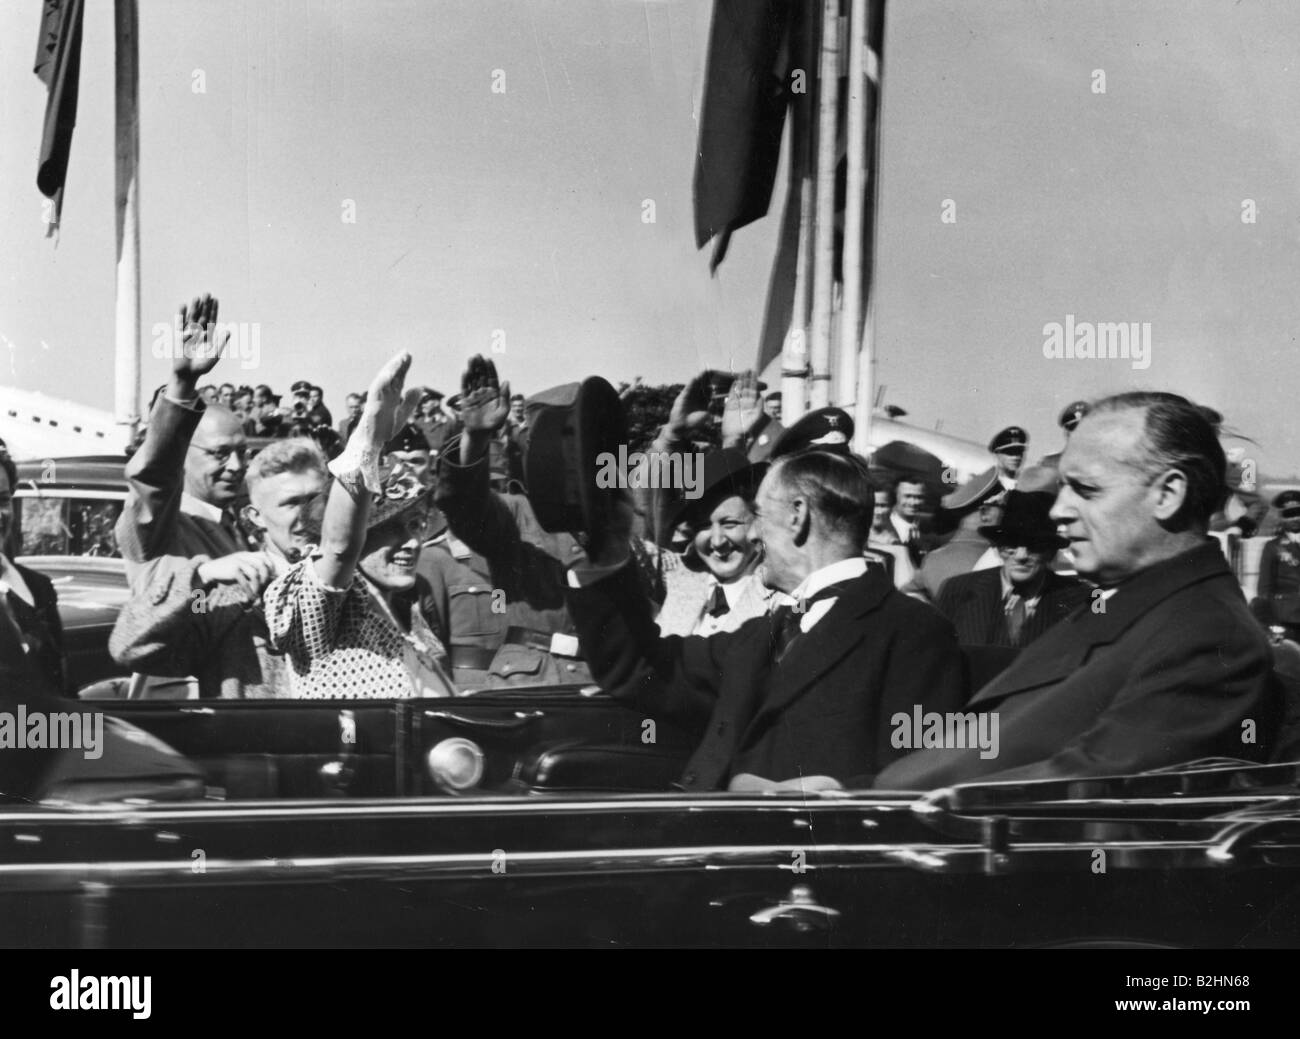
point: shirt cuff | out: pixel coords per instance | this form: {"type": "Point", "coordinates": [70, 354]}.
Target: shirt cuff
{"type": "Point", "coordinates": [586, 575]}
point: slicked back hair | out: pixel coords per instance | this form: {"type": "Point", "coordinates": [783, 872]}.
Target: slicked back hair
{"type": "Point", "coordinates": [837, 487]}
{"type": "Point", "coordinates": [1179, 435]}
{"type": "Point", "coordinates": [294, 455]}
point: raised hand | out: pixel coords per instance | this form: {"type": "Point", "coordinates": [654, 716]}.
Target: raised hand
{"type": "Point", "coordinates": [484, 401]}
{"type": "Point", "coordinates": [743, 409]}
{"type": "Point", "coordinates": [388, 404]}
{"type": "Point", "coordinates": [199, 348]}
{"type": "Point", "coordinates": [690, 410]}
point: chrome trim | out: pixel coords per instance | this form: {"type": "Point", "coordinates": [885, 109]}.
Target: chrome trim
{"type": "Point", "coordinates": [545, 804]}
{"type": "Point", "coordinates": [40, 489]}
{"type": "Point", "coordinates": [772, 857]}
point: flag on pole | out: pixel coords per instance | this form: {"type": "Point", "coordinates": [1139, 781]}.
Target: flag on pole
{"type": "Point", "coordinates": [58, 64]}
{"type": "Point", "coordinates": [742, 116]}
{"type": "Point", "coordinates": [781, 289]}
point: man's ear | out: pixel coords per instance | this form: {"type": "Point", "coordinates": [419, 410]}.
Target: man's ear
{"type": "Point", "coordinates": [252, 517]}
{"type": "Point", "coordinates": [800, 521]}
{"type": "Point", "coordinates": [1171, 493]}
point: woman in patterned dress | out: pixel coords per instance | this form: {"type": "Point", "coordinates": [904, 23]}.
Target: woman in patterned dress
{"type": "Point", "coordinates": [350, 617]}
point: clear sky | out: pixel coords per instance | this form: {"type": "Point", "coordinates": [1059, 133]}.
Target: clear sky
{"type": "Point", "coordinates": [523, 212]}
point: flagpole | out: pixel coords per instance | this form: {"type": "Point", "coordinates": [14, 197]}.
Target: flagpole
{"type": "Point", "coordinates": [824, 228]}
{"type": "Point", "coordinates": [872, 25]}
{"type": "Point", "coordinates": [855, 191]}
{"type": "Point", "coordinates": [127, 138]}
{"type": "Point", "coordinates": [794, 353]}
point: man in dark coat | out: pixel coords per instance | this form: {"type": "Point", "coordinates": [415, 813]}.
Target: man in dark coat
{"type": "Point", "coordinates": [1165, 664]}
{"type": "Point", "coordinates": [1014, 604]}
{"type": "Point", "coordinates": [28, 602]}
{"type": "Point", "coordinates": [807, 694]}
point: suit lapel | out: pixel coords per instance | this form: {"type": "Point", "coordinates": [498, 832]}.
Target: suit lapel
{"type": "Point", "coordinates": [1065, 647]}
{"type": "Point", "coordinates": [816, 652]}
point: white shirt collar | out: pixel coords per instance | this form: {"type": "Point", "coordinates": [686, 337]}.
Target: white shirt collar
{"type": "Point", "coordinates": [901, 525]}
{"type": "Point", "coordinates": [198, 507]}
{"type": "Point", "coordinates": [1030, 601]}
{"type": "Point", "coordinates": [732, 591]}
{"type": "Point", "coordinates": [844, 570]}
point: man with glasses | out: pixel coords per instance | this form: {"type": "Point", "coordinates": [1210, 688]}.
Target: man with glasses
{"type": "Point", "coordinates": [1016, 603]}
{"type": "Point", "coordinates": [1164, 664]}
{"type": "Point", "coordinates": [178, 524]}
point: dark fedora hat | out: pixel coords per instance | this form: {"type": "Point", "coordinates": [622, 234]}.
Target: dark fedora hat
{"type": "Point", "coordinates": [569, 428]}
{"type": "Point", "coordinates": [1026, 520]}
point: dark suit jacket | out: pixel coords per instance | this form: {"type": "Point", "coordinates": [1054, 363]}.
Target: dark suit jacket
{"type": "Point", "coordinates": [1166, 674]}
{"type": "Point", "coordinates": [824, 710]}
{"type": "Point", "coordinates": [1278, 594]}
{"type": "Point", "coordinates": [941, 564]}
{"type": "Point", "coordinates": [42, 628]}
{"type": "Point", "coordinates": [973, 602]}
{"type": "Point", "coordinates": [160, 632]}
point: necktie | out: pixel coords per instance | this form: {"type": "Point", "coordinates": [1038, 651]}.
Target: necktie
{"type": "Point", "coordinates": [231, 526]}
{"type": "Point", "coordinates": [1015, 617]}
{"type": "Point", "coordinates": [785, 629]}
{"type": "Point", "coordinates": [787, 621]}
{"type": "Point", "coordinates": [718, 604]}
{"type": "Point", "coordinates": [913, 544]}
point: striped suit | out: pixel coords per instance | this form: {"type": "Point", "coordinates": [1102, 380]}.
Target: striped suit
{"type": "Point", "coordinates": [973, 602]}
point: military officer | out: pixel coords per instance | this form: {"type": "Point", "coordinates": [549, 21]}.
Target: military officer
{"type": "Point", "coordinates": [1009, 448]}
{"type": "Point", "coordinates": [1070, 417]}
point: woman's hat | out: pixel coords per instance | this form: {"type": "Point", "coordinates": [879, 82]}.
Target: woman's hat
{"type": "Point", "coordinates": [726, 472]}
{"type": "Point", "coordinates": [399, 489]}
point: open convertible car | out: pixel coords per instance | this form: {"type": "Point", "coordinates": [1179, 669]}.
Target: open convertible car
{"type": "Point", "coordinates": [545, 818]}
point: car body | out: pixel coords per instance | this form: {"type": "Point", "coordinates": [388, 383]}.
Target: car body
{"type": "Point", "coordinates": [355, 846]}
{"type": "Point", "coordinates": [64, 513]}
{"type": "Point", "coordinates": [68, 506]}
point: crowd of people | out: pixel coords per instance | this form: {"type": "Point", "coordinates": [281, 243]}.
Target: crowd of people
{"type": "Point", "coordinates": [786, 607]}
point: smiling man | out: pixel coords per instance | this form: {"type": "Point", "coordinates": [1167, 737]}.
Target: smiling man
{"type": "Point", "coordinates": [803, 696]}
{"type": "Point", "coordinates": [1165, 664]}
{"type": "Point", "coordinates": [180, 539]}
